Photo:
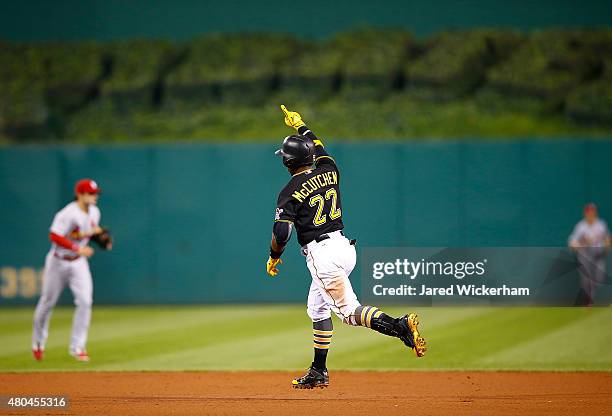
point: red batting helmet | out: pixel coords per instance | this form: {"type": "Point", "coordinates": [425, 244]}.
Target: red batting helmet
{"type": "Point", "coordinates": [87, 186]}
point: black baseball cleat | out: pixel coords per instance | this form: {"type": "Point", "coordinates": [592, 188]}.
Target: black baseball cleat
{"type": "Point", "coordinates": [314, 378]}
{"type": "Point", "coordinates": [411, 337]}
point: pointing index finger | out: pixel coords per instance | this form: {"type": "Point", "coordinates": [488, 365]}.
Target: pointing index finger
{"type": "Point", "coordinates": [285, 110]}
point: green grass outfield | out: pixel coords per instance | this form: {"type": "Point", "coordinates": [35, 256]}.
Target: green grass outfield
{"type": "Point", "coordinates": [279, 338]}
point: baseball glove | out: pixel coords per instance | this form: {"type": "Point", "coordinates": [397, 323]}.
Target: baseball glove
{"type": "Point", "coordinates": [103, 239]}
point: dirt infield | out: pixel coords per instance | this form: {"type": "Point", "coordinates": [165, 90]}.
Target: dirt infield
{"type": "Point", "coordinates": [354, 393]}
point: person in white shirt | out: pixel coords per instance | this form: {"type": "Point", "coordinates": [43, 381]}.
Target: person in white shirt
{"type": "Point", "coordinates": [66, 264]}
{"type": "Point", "coordinates": [591, 241]}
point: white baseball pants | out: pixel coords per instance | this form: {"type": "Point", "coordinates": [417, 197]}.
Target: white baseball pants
{"type": "Point", "coordinates": [330, 263]}
{"type": "Point", "coordinates": [59, 272]}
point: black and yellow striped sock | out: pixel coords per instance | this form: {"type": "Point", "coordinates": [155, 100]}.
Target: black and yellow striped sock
{"type": "Point", "coordinates": [363, 315]}
{"type": "Point", "coordinates": [373, 318]}
{"type": "Point", "coordinates": [322, 334]}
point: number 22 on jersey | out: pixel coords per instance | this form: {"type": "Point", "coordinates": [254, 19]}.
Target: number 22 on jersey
{"type": "Point", "coordinates": [318, 201]}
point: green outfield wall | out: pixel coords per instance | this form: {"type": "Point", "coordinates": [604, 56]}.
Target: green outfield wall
{"type": "Point", "coordinates": [192, 222]}
{"type": "Point", "coordinates": [97, 19]}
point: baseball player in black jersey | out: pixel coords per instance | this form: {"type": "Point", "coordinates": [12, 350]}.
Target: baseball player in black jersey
{"type": "Point", "coordinates": [311, 204]}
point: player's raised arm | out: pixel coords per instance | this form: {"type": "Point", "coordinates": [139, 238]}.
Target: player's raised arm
{"type": "Point", "coordinates": [294, 120]}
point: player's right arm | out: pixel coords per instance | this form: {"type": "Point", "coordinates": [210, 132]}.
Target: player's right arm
{"type": "Point", "coordinates": [294, 119]}
{"type": "Point", "coordinates": [574, 240]}
{"type": "Point", "coordinates": [61, 226]}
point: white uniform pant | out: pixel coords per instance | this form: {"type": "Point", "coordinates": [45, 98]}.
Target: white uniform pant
{"type": "Point", "coordinates": [57, 274]}
{"type": "Point", "coordinates": [592, 269]}
{"type": "Point", "coordinates": [330, 263]}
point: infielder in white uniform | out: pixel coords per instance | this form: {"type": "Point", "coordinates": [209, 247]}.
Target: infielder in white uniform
{"type": "Point", "coordinates": [591, 241]}
{"type": "Point", "coordinates": [66, 264]}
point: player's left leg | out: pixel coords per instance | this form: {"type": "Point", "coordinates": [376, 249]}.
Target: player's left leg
{"type": "Point", "coordinates": [352, 313]}
{"type": "Point", "coordinates": [81, 285]}
{"type": "Point", "coordinates": [405, 328]}
{"type": "Point", "coordinates": [336, 288]}
{"type": "Point", "coordinates": [599, 274]}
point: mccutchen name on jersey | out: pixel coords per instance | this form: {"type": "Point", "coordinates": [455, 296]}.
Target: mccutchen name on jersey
{"type": "Point", "coordinates": [314, 184]}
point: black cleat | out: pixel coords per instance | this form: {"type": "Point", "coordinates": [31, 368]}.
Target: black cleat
{"type": "Point", "coordinates": [411, 336]}
{"type": "Point", "coordinates": [314, 378]}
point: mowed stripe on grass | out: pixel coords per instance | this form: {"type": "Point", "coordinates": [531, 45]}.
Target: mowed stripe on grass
{"type": "Point", "coordinates": [278, 337]}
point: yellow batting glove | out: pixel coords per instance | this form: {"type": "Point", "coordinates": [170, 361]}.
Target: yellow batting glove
{"type": "Point", "coordinates": [271, 266]}
{"type": "Point", "coordinates": [292, 118]}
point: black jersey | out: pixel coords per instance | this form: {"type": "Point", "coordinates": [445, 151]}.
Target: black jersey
{"type": "Point", "coordinates": [311, 200]}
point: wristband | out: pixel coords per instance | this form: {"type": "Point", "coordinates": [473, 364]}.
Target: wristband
{"type": "Point", "coordinates": [275, 254]}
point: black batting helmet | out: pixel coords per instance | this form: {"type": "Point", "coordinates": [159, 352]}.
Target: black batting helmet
{"type": "Point", "coordinates": [296, 151]}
